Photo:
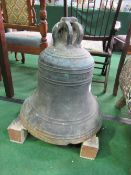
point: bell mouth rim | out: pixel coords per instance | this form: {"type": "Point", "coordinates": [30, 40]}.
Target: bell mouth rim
{"type": "Point", "coordinates": [57, 140]}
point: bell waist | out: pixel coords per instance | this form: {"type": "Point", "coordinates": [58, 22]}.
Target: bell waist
{"type": "Point", "coordinates": [64, 77]}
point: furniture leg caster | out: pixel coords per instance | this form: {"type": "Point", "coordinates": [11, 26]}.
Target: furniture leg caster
{"type": "Point", "coordinates": [89, 148]}
{"type": "Point", "coordinates": [17, 133]}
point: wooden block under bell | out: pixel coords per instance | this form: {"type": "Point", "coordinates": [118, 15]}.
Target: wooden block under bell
{"type": "Point", "coordinates": [17, 133]}
{"type": "Point", "coordinates": [89, 148]}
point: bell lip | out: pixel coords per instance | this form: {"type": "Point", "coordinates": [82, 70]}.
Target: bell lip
{"type": "Point", "coordinates": [60, 139]}
{"type": "Point", "coordinates": [57, 140]}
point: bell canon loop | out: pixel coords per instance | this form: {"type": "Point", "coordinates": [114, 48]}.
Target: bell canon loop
{"type": "Point", "coordinates": [62, 110]}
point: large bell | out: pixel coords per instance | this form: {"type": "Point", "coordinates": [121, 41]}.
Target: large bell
{"type": "Point", "coordinates": [62, 109]}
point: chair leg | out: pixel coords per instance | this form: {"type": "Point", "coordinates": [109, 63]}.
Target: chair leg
{"type": "Point", "coordinates": [4, 62]}
{"type": "Point", "coordinates": [121, 102]}
{"type": "Point", "coordinates": [23, 58]}
{"type": "Point", "coordinates": [0, 75]}
{"type": "Point", "coordinates": [107, 69]}
{"type": "Point", "coordinates": [16, 57]}
{"type": "Point", "coordinates": [106, 80]}
{"type": "Point", "coordinates": [105, 66]}
{"type": "Point", "coordinates": [22, 55]}
{"type": "Point", "coordinates": [119, 69]}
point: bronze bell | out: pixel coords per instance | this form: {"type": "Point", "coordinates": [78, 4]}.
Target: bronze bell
{"type": "Point", "coordinates": [62, 109]}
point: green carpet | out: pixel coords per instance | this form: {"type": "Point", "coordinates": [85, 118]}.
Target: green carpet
{"type": "Point", "coordinates": [37, 157]}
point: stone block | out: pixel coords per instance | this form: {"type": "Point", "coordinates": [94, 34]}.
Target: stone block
{"type": "Point", "coordinates": [89, 148]}
{"type": "Point", "coordinates": [17, 133]}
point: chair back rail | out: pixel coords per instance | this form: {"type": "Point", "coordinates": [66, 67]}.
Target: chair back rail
{"type": "Point", "coordinates": [25, 17]}
{"type": "Point", "coordinates": [31, 12]}
{"type": "Point", "coordinates": [98, 18]}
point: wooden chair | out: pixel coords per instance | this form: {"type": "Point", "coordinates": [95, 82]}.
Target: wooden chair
{"type": "Point", "coordinates": [4, 62]}
{"type": "Point", "coordinates": [99, 21]}
{"type": "Point", "coordinates": [30, 37]}
{"type": "Point", "coordinates": [126, 40]}
{"type": "Point", "coordinates": [125, 85]}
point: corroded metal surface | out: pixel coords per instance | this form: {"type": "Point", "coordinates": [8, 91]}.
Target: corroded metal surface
{"type": "Point", "coordinates": [62, 110]}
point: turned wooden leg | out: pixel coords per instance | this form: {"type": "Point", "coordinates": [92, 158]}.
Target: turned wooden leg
{"type": "Point", "coordinates": [4, 62]}
{"type": "Point", "coordinates": [22, 55]}
{"type": "Point", "coordinates": [0, 75]}
{"type": "Point", "coordinates": [16, 57]}
{"type": "Point", "coordinates": [23, 58]}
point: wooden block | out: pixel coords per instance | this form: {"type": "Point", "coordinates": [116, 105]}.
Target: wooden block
{"type": "Point", "coordinates": [90, 148]}
{"type": "Point", "coordinates": [17, 133]}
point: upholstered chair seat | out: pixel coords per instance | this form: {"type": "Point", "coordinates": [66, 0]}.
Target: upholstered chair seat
{"type": "Point", "coordinates": [26, 38]}
{"type": "Point", "coordinates": [92, 46]}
